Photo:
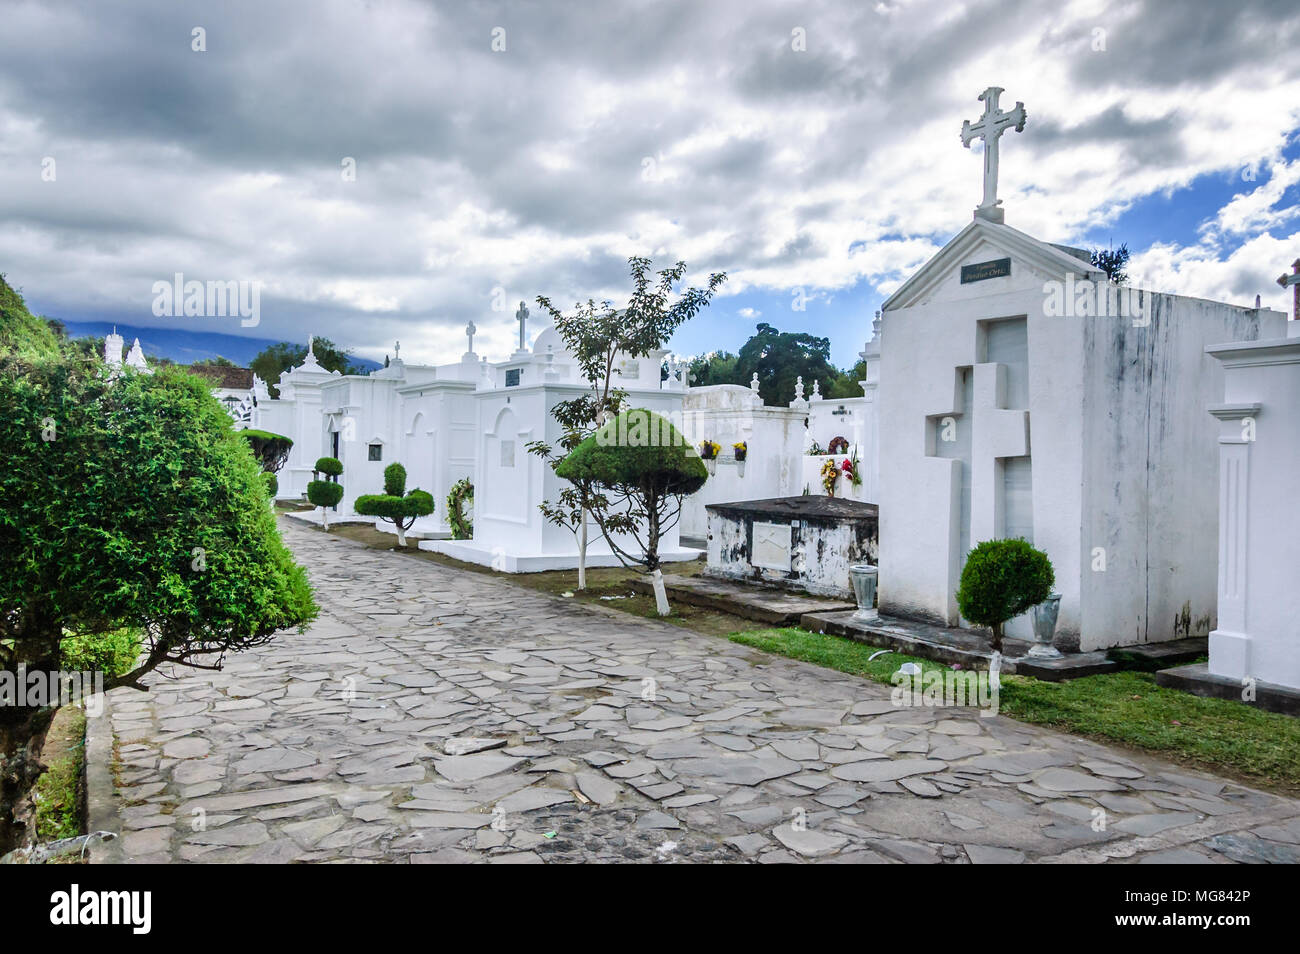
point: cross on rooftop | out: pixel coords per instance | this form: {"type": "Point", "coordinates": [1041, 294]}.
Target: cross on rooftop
{"type": "Point", "coordinates": [522, 315]}
{"type": "Point", "coordinates": [990, 128]}
{"type": "Point", "coordinates": [470, 330]}
{"type": "Point", "coordinates": [1294, 281]}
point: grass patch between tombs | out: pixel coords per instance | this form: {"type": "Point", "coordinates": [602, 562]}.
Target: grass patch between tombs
{"type": "Point", "coordinates": [1124, 708]}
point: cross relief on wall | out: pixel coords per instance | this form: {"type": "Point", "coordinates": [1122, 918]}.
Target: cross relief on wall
{"type": "Point", "coordinates": [981, 433]}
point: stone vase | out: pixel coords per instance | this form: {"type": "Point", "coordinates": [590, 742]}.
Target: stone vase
{"type": "Point", "coordinates": [1044, 619]}
{"type": "Point", "coordinates": [711, 464]}
{"type": "Point", "coordinates": [740, 468]}
{"type": "Point", "coordinates": [863, 577]}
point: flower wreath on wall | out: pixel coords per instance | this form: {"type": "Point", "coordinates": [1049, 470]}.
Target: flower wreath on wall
{"type": "Point", "coordinates": [838, 445]}
{"type": "Point", "coordinates": [461, 490]}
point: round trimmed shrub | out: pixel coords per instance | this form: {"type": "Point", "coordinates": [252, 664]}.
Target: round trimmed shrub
{"type": "Point", "coordinates": [1001, 580]}
{"type": "Point", "coordinates": [329, 466]}
{"type": "Point", "coordinates": [272, 484]}
{"type": "Point", "coordinates": [324, 493]}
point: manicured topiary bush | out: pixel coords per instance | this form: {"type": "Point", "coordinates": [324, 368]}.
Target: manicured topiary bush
{"type": "Point", "coordinates": [394, 506]}
{"type": "Point", "coordinates": [329, 466]}
{"type": "Point", "coordinates": [272, 484]}
{"type": "Point", "coordinates": [1001, 580]}
{"type": "Point", "coordinates": [646, 467]}
{"type": "Point", "coordinates": [326, 493]}
{"type": "Point", "coordinates": [271, 450]}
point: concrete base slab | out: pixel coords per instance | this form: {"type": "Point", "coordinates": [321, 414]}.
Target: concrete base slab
{"type": "Point", "coordinates": [1154, 656]}
{"type": "Point", "coordinates": [1199, 681]}
{"type": "Point", "coordinates": [951, 645]}
{"type": "Point", "coordinates": [504, 562]}
{"type": "Point", "coordinates": [766, 604]}
{"type": "Point", "coordinates": [313, 517]}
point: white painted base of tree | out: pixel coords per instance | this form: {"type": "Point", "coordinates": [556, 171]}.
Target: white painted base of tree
{"type": "Point", "coordinates": [995, 670]}
{"type": "Point", "coordinates": [661, 594]}
{"type": "Point", "coordinates": [582, 553]}
{"type": "Point", "coordinates": [325, 517]}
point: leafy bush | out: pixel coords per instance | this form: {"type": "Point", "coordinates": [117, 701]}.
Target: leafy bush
{"type": "Point", "coordinates": [112, 653]}
{"type": "Point", "coordinates": [271, 450]}
{"type": "Point", "coordinates": [324, 493]}
{"type": "Point", "coordinates": [126, 501]}
{"type": "Point", "coordinates": [272, 484]}
{"type": "Point", "coordinates": [394, 479]}
{"type": "Point", "coordinates": [647, 467]}
{"type": "Point", "coordinates": [392, 507]}
{"type": "Point", "coordinates": [329, 466]}
{"type": "Point", "coordinates": [1001, 580]}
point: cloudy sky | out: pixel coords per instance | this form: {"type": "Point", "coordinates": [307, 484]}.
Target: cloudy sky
{"type": "Point", "coordinates": [796, 146]}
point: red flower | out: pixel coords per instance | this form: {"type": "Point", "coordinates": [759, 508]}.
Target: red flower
{"type": "Point", "coordinates": [846, 466]}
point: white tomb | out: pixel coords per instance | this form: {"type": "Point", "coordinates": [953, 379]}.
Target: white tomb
{"type": "Point", "coordinates": [1011, 408]}
{"type": "Point", "coordinates": [513, 401]}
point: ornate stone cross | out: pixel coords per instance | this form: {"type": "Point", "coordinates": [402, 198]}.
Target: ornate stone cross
{"type": "Point", "coordinates": [1294, 281]}
{"type": "Point", "coordinates": [469, 333]}
{"type": "Point", "coordinates": [522, 315]}
{"type": "Point", "coordinates": [990, 128]}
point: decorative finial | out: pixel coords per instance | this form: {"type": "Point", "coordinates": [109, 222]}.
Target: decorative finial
{"type": "Point", "coordinates": [470, 331]}
{"type": "Point", "coordinates": [753, 382]}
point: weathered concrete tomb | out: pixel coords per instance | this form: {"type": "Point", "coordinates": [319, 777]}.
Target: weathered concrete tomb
{"type": "Point", "coordinates": [806, 542]}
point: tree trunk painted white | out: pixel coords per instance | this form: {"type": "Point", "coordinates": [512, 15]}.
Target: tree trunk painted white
{"type": "Point", "coordinates": [401, 536]}
{"type": "Point", "coordinates": [661, 594]}
{"type": "Point", "coordinates": [325, 517]}
{"type": "Point", "coordinates": [582, 552]}
{"type": "Point", "coordinates": [995, 670]}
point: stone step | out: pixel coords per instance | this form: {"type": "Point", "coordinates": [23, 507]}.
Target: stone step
{"type": "Point", "coordinates": [950, 645]}
{"type": "Point", "coordinates": [763, 604]}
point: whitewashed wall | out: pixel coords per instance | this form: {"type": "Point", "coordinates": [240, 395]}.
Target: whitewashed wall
{"type": "Point", "coordinates": [728, 414]}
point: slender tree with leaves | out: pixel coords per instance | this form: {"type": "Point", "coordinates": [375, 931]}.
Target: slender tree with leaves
{"type": "Point", "coordinates": [598, 335]}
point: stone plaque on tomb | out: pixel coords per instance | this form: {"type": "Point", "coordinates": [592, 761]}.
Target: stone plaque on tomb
{"type": "Point", "coordinates": [507, 453]}
{"type": "Point", "coordinates": [804, 543]}
{"type": "Point", "coordinates": [771, 549]}
{"type": "Point", "coordinates": [512, 377]}
{"type": "Point", "coordinates": [979, 271]}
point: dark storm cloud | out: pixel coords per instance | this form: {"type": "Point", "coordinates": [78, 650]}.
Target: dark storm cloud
{"type": "Point", "coordinates": [603, 130]}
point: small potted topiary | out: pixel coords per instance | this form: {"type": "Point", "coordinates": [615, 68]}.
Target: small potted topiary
{"type": "Point", "coordinates": [1001, 580]}
{"type": "Point", "coordinates": [394, 505]}
{"type": "Point", "coordinates": [328, 492]}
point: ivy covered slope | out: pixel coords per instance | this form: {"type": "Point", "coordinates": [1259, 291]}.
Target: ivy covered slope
{"type": "Point", "coordinates": [20, 330]}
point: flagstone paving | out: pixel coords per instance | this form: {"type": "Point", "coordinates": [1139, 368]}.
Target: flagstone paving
{"type": "Point", "coordinates": [436, 715]}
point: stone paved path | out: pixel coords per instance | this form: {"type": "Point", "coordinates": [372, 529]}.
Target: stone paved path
{"type": "Point", "coordinates": [437, 715]}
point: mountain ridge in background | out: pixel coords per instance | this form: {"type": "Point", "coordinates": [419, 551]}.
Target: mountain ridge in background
{"type": "Point", "coordinates": [186, 347]}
